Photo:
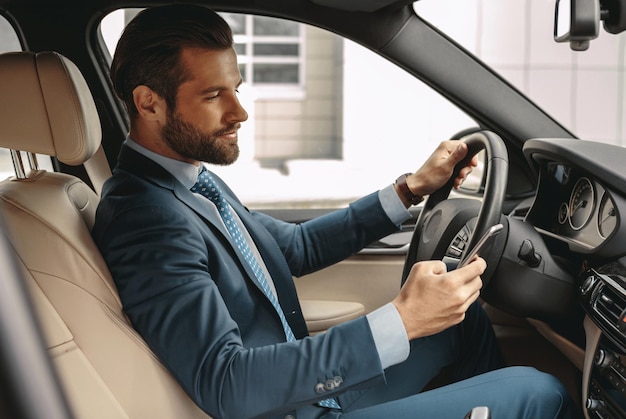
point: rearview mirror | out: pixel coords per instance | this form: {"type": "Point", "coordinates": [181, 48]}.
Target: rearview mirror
{"type": "Point", "coordinates": [576, 22]}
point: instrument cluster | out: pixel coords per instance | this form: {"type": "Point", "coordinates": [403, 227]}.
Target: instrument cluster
{"type": "Point", "coordinates": [575, 207]}
{"type": "Point", "coordinates": [583, 203]}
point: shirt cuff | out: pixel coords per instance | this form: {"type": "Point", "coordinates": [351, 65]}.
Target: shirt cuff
{"type": "Point", "coordinates": [393, 206]}
{"type": "Point", "coordinates": [390, 338]}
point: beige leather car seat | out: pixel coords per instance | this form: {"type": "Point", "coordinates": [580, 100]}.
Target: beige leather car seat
{"type": "Point", "coordinates": [106, 369]}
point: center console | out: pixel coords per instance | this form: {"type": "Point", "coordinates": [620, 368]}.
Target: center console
{"type": "Point", "coordinates": [603, 294]}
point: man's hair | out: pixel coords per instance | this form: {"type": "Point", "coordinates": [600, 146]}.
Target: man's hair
{"type": "Point", "coordinates": [148, 52]}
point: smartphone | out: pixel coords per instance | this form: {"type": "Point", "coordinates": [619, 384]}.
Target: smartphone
{"type": "Point", "coordinates": [492, 232]}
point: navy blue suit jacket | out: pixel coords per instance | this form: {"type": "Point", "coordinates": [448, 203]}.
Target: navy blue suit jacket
{"type": "Point", "coordinates": [196, 303]}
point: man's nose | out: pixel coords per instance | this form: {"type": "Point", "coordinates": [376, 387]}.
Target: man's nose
{"type": "Point", "coordinates": [237, 113]}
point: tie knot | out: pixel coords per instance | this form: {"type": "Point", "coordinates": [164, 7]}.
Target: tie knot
{"type": "Point", "coordinates": [205, 185]}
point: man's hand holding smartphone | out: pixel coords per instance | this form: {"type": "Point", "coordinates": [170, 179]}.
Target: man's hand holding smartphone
{"type": "Point", "coordinates": [484, 240]}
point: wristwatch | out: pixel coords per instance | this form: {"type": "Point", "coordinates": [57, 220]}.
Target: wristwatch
{"type": "Point", "coordinates": [406, 192]}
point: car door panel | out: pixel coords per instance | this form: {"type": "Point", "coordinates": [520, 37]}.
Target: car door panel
{"type": "Point", "coordinates": [354, 286]}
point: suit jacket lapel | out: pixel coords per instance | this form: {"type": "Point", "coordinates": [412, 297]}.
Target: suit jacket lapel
{"type": "Point", "coordinates": [278, 269]}
{"type": "Point", "coordinates": [133, 162]}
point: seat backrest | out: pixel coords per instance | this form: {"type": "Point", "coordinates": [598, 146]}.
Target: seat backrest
{"type": "Point", "coordinates": [106, 369]}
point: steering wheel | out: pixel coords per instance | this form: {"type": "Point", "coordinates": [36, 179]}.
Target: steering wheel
{"type": "Point", "coordinates": [447, 227]}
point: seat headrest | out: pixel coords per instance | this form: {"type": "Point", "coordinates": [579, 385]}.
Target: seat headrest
{"type": "Point", "coordinates": [47, 107]}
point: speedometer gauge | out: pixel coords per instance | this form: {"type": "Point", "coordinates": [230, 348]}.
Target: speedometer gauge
{"type": "Point", "coordinates": [607, 216]}
{"type": "Point", "coordinates": [581, 203]}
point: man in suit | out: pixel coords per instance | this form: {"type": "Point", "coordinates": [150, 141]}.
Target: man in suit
{"type": "Point", "coordinates": [213, 294]}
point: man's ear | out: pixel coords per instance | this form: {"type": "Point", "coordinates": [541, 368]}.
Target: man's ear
{"type": "Point", "coordinates": [149, 104]}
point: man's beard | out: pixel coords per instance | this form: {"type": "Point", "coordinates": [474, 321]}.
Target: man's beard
{"type": "Point", "coordinates": [192, 143]}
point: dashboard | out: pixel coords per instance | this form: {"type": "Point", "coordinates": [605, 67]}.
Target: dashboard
{"type": "Point", "coordinates": [578, 206]}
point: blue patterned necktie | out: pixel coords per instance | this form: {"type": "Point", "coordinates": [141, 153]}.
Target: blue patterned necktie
{"type": "Point", "coordinates": [207, 187]}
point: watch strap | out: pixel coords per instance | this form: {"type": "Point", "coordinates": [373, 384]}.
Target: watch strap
{"type": "Point", "coordinates": [406, 192]}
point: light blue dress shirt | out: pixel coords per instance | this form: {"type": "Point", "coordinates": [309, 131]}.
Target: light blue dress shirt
{"type": "Point", "coordinates": [385, 322]}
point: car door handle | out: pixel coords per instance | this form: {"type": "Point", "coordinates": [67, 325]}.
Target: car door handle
{"type": "Point", "coordinates": [394, 244]}
{"type": "Point", "coordinates": [387, 251]}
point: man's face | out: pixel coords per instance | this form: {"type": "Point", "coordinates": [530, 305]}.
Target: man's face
{"type": "Point", "coordinates": [204, 125]}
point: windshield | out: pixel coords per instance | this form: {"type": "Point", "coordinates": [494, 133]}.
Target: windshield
{"type": "Point", "coordinates": [584, 91]}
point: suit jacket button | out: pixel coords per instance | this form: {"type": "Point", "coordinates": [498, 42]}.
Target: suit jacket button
{"type": "Point", "coordinates": [338, 380]}
{"type": "Point", "coordinates": [290, 417]}
{"type": "Point", "coordinates": [319, 388]}
{"type": "Point", "coordinates": [329, 384]}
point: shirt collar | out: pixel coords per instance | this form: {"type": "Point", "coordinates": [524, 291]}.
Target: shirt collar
{"type": "Point", "coordinates": [185, 173]}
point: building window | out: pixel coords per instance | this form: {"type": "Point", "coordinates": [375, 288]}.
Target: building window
{"type": "Point", "coordinates": [270, 52]}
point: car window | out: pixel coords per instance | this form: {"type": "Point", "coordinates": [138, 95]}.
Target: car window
{"type": "Point", "coordinates": [321, 131]}
{"type": "Point", "coordinates": [8, 42]}
{"type": "Point", "coordinates": [8, 38]}
{"type": "Point", "coordinates": [582, 90]}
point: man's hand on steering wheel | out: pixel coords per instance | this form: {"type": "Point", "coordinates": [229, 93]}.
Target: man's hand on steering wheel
{"type": "Point", "coordinates": [438, 168]}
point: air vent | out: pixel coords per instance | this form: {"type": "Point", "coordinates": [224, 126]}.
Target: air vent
{"type": "Point", "coordinates": [610, 305]}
